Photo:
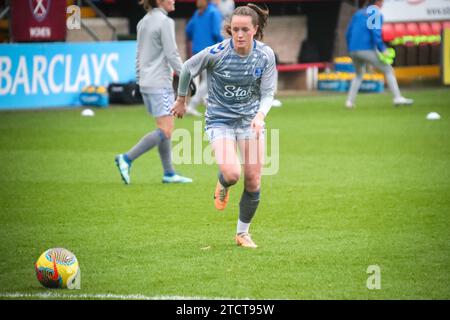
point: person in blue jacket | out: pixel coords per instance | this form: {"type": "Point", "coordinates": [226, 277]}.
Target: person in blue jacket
{"type": "Point", "coordinates": [203, 30]}
{"type": "Point", "coordinates": [365, 45]}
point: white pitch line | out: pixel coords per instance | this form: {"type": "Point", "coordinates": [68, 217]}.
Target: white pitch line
{"type": "Point", "coordinates": [54, 295]}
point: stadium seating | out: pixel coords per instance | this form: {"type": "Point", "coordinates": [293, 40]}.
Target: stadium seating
{"type": "Point", "coordinates": [436, 27]}
{"type": "Point", "coordinates": [388, 32]}
{"type": "Point", "coordinates": [400, 30]}
{"type": "Point", "coordinates": [446, 24]}
{"type": "Point", "coordinates": [416, 43]}
{"type": "Point", "coordinates": [412, 29]}
{"type": "Point", "coordinates": [425, 29]}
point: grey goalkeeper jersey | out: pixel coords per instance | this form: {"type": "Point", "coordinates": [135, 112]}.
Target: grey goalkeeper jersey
{"type": "Point", "coordinates": [236, 84]}
{"type": "Point", "coordinates": [157, 54]}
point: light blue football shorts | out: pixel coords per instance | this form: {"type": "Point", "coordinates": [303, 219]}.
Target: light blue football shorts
{"type": "Point", "coordinates": [159, 102]}
{"type": "Point", "coordinates": [228, 132]}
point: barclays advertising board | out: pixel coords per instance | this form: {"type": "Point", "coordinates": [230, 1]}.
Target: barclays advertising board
{"type": "Point", "coordinates": [44, 75]}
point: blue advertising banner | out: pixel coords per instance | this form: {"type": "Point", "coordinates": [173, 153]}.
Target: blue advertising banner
{"type": "Point", "coordinates": [52, 74]}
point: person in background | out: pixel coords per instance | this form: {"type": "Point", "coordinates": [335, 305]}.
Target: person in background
{"type": "Point", "coordinates": [364, 43]}
{"type": "Point", "coordinates": [226, 7]}
{"type": "Point", "coordinates": [157, 57]}
{"type": "Point", "coordinates": [204, 29]}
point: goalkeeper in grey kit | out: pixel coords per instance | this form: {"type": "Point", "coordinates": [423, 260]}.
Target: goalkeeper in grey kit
{"type": "Point", "coordinates": [241, 84]}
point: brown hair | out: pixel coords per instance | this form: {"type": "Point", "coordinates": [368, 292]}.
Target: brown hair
{"type": "Point", "coordinates": [148, 4]}
{"type": "Point", "coordinates": [259, 18]}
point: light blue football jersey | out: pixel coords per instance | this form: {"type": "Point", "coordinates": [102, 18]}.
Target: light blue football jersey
{"type": "Point", "coordinates": [236, 84]}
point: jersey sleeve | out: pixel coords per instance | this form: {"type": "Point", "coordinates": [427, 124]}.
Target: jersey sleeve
{"type": "Point", "coordinates": [170, 46]}
{"type": "Point", "coordinates": [204, 59]}
{"type": "Point", "coordinates": [378, 36]}
{"type": "Point", "coordinates": [137, 66]}
{"type": "Point", "coordinates": [269, 76]}
{"type": "Point", "coordinates": [137, 69]}
{"type": "Point", "coordinates": [268, 82]}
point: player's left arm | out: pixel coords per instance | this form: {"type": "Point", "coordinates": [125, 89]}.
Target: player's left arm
{"type": "Point", "coordinates": [377, 35]}
{"type": "Point", "coordinates": [170, 46]}
{"type": "Point", "coordinates": [267, 91]}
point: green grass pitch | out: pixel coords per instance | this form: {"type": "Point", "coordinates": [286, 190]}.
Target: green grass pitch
{"type": "Point", "coordinates": [354, 189]}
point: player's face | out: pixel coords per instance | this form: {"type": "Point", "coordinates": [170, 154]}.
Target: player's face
{"type": "Point", "coordinates": [168, 5]}
{"type": "Point", "coordinates": [201, 4]}
{"type": "Point", "coordinates": [242, 31]}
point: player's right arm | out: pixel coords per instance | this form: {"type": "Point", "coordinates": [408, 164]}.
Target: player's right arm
{"type": "Point", "coordinates": [191, 68]}
{"type": "Point", "coordinates": [378, 36]}
{"type": "Point", "coordinates": [179, 107]}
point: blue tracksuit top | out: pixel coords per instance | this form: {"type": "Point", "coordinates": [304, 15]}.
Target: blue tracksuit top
{"type": "Point", "coordinates": [361, 37]}
{"type": "Point", "coordinates": [204, 29]}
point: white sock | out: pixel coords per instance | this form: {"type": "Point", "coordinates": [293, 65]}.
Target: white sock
{"type": "Point", "coordinates": [242, 227]}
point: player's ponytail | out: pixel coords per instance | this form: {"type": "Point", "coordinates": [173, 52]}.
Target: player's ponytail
{"type": "Point", "coordinates": [148, 4]}
{"type": "Point", "coordinates": [263, 14]}
{"type": "Point", "coordinates": [259, 18]}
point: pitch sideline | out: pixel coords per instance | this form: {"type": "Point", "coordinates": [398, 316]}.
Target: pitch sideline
{"type": "Point", "coordinates": [106, 296]}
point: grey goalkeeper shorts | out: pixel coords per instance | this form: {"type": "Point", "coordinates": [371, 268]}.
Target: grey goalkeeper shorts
{"type": "Point", "coordinates": [159, 102]}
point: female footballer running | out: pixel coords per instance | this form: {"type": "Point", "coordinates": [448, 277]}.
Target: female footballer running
{"type": "Point", "coordinates": [241, 84]}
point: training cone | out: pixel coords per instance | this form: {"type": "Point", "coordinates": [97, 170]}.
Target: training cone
{"type": "Point", "coordinates": [433, 116]}
{"type": "Point", "coordinates": [87, 113]}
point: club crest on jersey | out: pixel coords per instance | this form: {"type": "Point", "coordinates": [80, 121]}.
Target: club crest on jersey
{"type": "Point", "coordinates": [217, 49]}
{"type": "Point", "coordinates": [257, 73]}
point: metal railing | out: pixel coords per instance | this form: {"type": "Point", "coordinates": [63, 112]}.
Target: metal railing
{"type": "Point", "coordinates": [4, 13]}
{"type": "Point", "coordinates": [102, 16]}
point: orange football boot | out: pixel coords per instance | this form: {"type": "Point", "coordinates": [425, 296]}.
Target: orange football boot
{"type": "Point", "coordinates": [244, 240]}
{"type": "Point", "coordinates": [221, 196]}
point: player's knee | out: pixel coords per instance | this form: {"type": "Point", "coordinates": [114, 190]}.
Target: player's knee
{"type": "Point", "coordinates": [231, 176]}
{"type": "Point", "coordinates": [252, 182]}
{"type": "Point", "coordinates": [167, 131]}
